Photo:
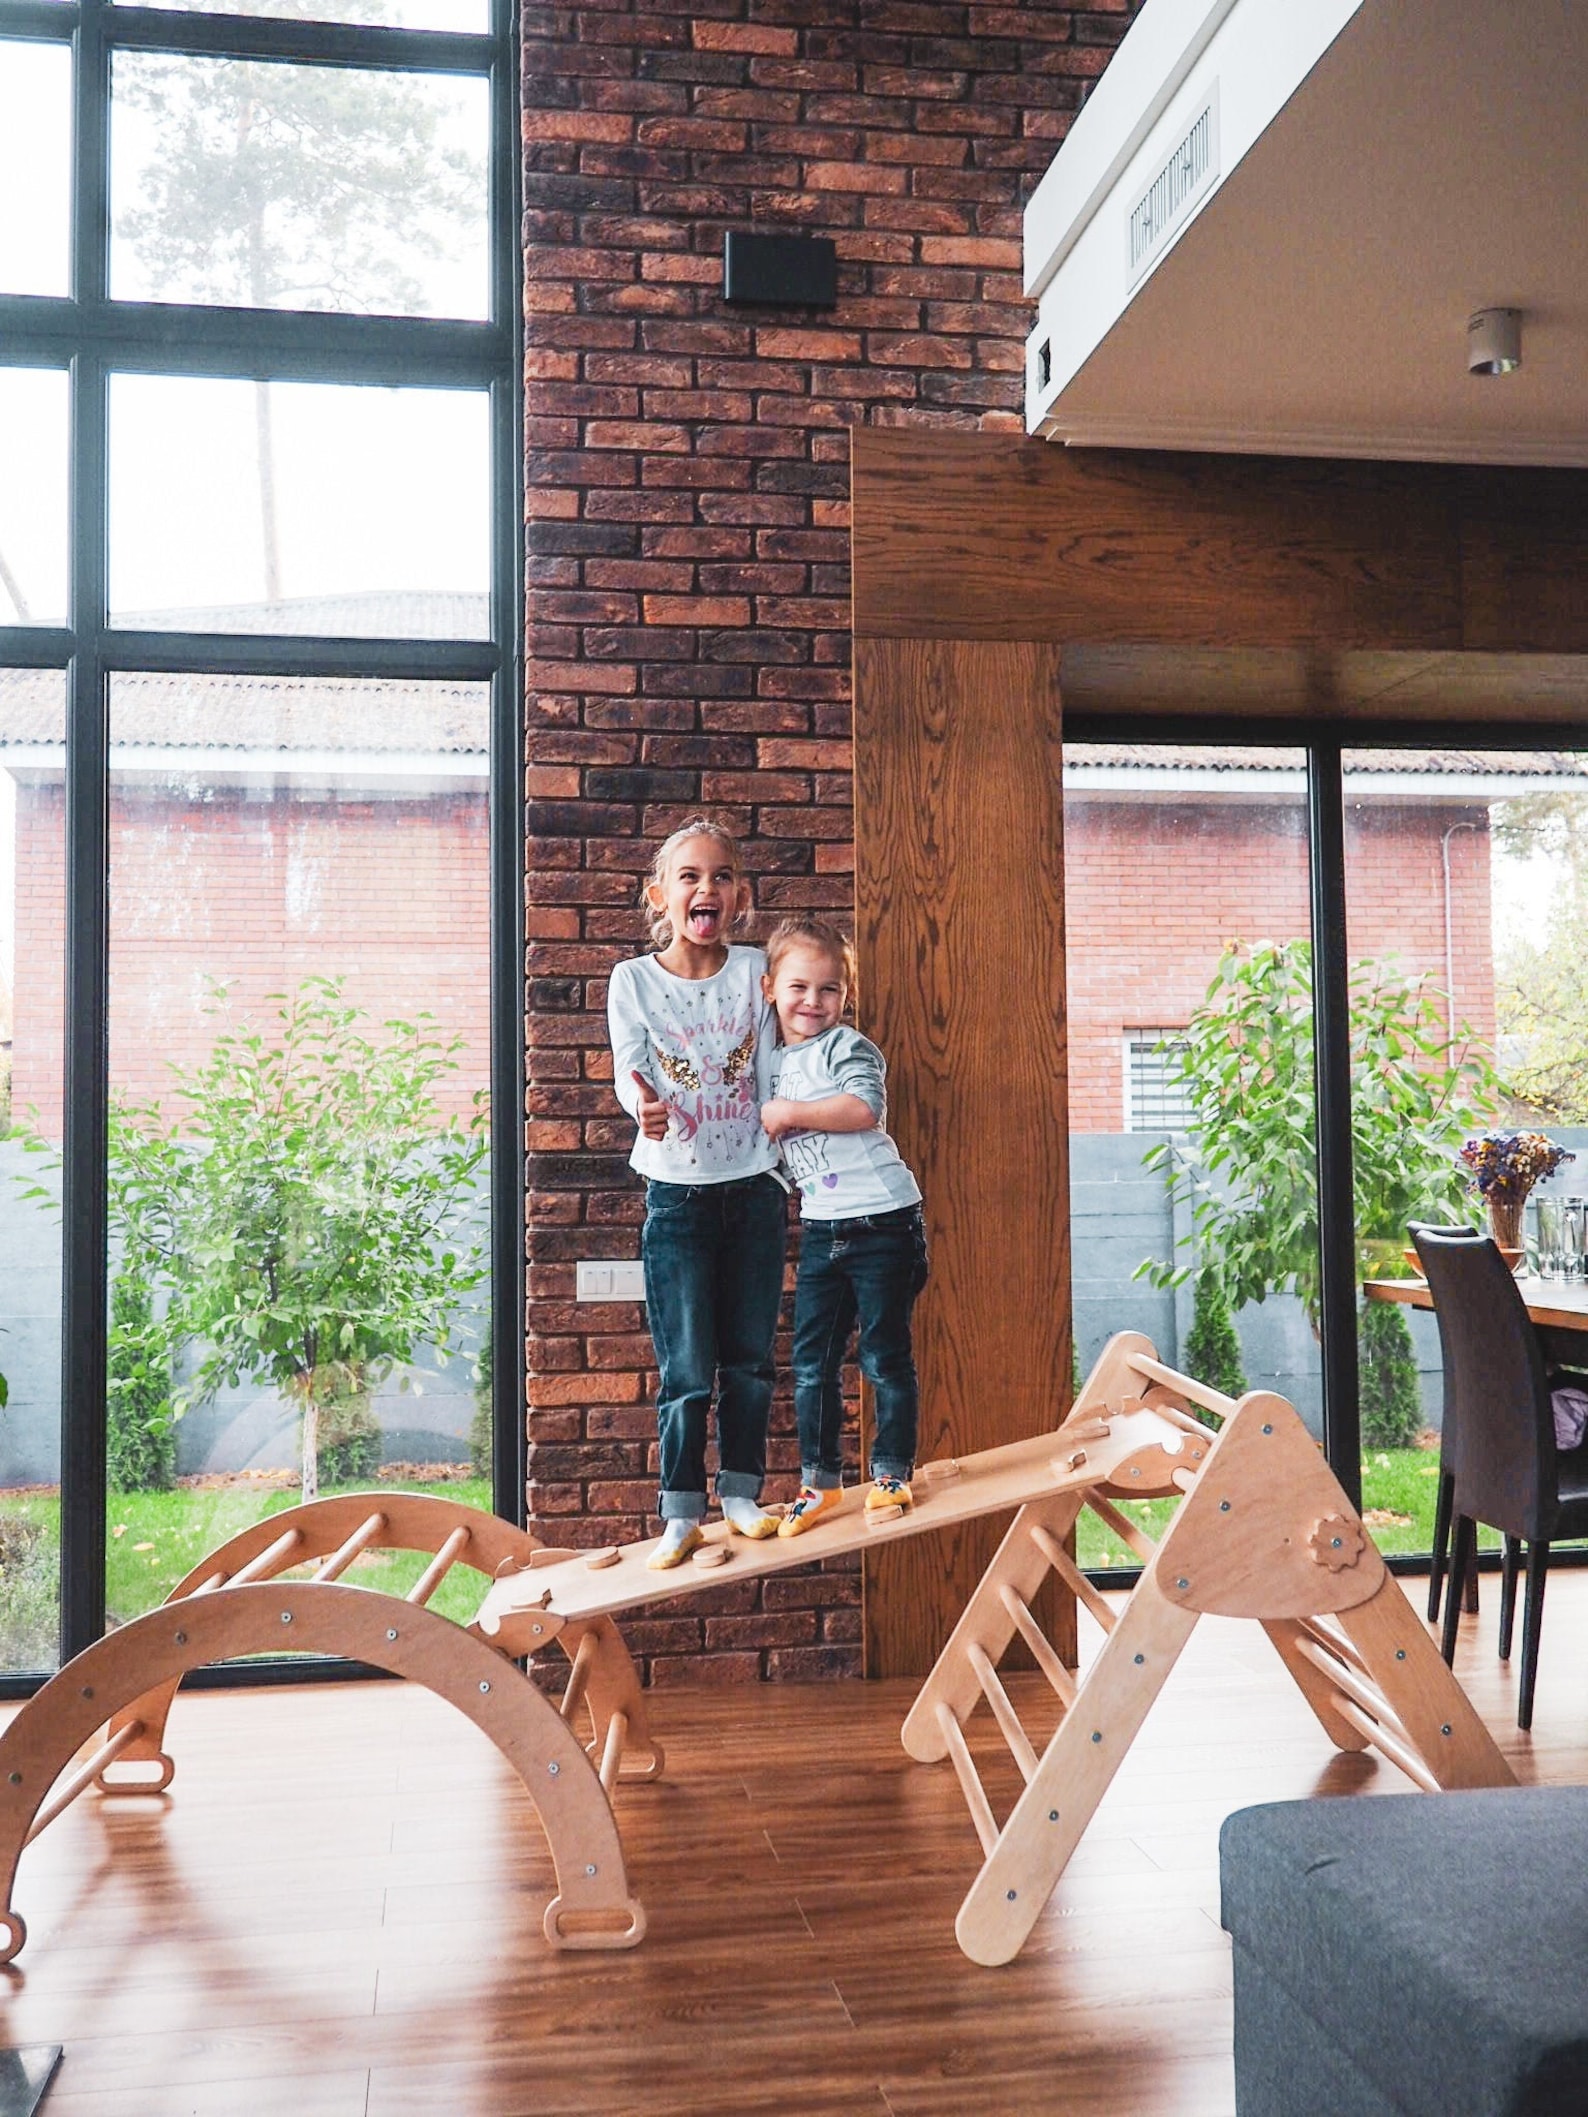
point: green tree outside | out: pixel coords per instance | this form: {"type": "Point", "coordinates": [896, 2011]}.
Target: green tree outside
{"type": "Point", "coordinates": [1245, 1064]}
{"type": "Point", "coordinates": [324, 1233]}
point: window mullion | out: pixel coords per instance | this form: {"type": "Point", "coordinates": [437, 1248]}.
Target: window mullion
{"type": "Point", "coordinates": [1331, 973]}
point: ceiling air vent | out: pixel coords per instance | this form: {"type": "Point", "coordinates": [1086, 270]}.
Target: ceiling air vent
{"type": "Point", "coordinates": [1169, 197]}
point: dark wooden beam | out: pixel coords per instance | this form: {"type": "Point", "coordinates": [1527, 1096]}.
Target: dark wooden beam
{"type": "Point", "coordinates": [959, 897]}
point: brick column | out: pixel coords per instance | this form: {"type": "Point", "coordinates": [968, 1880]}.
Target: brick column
{"type": "Point", "coordinates": [687, 493]}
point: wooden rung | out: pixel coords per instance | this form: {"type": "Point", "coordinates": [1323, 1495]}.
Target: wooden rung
{"type": "Point", "coordinates": [85, 1775]}
{"type": "Point", "coordinates": [1182, 1385]}
{"type": "Point", "coordinates": [1003, 1711]}
{"type": "Point", "coordinates": [440, 1566]}
{"type": "Point", "coordinates": [270, 1560]}
{"type": "Point", "coordinates": [578, 1675]}
{"type": "Point", "coordinates": [363, 1536]}
{"type": "Point", "coordinates": [1182, 1419]}
{"type": "Point", "coordinates": [1037, 1640]}
{"type": "Point", "coordinates": [1131, 1533]}
{"type": "Point", "coordinates": [612, 1749]}
{"type": "Point", "coordinates": [1071, 1575]}
{"type": "Point", "coordinates": [969, 1778]}
{"type": "Point", "coordinates": [1334, 1641]}
{"type": "Point", "coordinates": [1348, 1684]}
{"type": "Point", "coordinates": [1381, 1738]}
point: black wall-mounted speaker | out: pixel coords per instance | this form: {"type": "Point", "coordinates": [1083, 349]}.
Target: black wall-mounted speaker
{"type": "Point", "coordinates": [791, 271]}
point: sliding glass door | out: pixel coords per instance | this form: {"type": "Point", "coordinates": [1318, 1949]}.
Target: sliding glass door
{"type": "Point", "coordinates": [1467, 895]}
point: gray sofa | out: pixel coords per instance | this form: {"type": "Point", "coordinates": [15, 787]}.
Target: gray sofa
{"type": "Point", "coordinates": [1424, 1956]}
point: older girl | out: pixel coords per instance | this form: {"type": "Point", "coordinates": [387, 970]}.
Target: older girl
{"type": "Point", "coordinates": [691, 1051]}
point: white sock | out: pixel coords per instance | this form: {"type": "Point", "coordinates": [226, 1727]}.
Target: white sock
{"type": "Point", "coordinates": [676, 1534]}
{"type": "Point", "coordinates": [743, 1514]}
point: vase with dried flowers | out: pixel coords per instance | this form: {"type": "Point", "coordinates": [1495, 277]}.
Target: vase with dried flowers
{"type": "Point", "coordinates": [1503, 1167]}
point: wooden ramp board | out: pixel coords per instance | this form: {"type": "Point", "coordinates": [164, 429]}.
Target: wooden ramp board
{"type": "Point", "coordinates": [1137, 1455]}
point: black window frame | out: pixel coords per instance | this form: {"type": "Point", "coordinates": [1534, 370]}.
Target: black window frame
{"type": "Point", "coordinates": [89, 336]}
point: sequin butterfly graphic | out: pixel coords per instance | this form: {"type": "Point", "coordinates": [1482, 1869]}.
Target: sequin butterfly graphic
{"type": "Point", "coordinates": [677, 1069]}
{"type": "Point", "coordinates": [738, 1059]}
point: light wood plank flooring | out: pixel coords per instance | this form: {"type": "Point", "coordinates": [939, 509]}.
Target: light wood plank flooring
{"type": "Point", "coordinates": [336, 1913]}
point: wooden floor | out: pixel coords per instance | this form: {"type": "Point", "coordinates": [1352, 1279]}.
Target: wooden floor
{"type": "Point", "coordinates": [336, 1913]}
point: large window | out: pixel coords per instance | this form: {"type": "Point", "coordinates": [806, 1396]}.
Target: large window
{"type": "Point", "coordinates": [1187, 907]}
{"type": "Point", "coordinates": [1351, 960]}
{"type": "Point", "coordinates": [259, 834]}
{"type": "Point", "coordinates": [1466, 893]}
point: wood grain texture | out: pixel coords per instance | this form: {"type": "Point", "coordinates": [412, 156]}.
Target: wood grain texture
{"type": "Point", "coordinates": [959, 904]}
{"type": "Point", "coordinates": [1155, 682]}
{"type": "Point", "coordinates": [983, 536]}
{"type": "Point", "coordinates": [1524, 560]}
{"type": "Point", "coordinates": [979, 536]}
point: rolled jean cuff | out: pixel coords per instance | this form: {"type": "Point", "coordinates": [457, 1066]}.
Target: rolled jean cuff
{"type": "Point", "coordinates": [897, 1466]}
{"type": "Point", "coordinates": [681, 1506]}
{"type": "Point", "coordinates": [821, 1480]}
{"type": "Point", "coordinates": [738, 1485]}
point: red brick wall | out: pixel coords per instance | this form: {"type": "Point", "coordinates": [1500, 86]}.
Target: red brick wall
{"type": "Point", "coordinates": [688, 601]}
{"type": "Point", "coordinates": [1156, 891]}
{"type": "Point", "coordinates": [390, 895]}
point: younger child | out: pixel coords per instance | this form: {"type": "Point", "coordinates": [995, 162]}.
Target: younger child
{"type": "Point", "coordinates": [862, 1237]}
{"type": "Point", "coordinates": [691, 1047]}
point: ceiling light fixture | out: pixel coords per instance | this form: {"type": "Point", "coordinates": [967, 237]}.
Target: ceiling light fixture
{"type": "Point", "coordinates": [1494, 341]}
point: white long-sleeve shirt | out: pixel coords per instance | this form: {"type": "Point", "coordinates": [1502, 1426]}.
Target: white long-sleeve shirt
{"type": "Point", "coordinates": [705, 1045]}
{"type": "Point", "coordinates": [841, 1174]}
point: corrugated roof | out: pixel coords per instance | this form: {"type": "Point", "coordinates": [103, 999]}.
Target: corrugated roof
{"type": "Point", "coordinates": [1191, 757]}
{"type": "Point", "coordinates": [286, 713]}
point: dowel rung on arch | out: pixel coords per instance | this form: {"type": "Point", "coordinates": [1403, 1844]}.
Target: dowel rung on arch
{"type": "Point", "coordinates": [85, 1775]}
{"type": "Point", "coordinates": [363, 1536]}
{"type": "Point", "coordinates": [440, 1566]}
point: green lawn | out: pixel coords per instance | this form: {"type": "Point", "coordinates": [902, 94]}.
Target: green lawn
{"type": "Point", "coordinates": [156, 1537]}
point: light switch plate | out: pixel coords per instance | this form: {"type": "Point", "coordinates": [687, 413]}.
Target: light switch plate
{"type": "Point", "coordinates": [609, 1279]}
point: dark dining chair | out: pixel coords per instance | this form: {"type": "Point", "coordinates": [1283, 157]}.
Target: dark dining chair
{"type": "Point", "coordinates": [1439, 1558]}
{"type": "Point", "coordinates": [1508, 1472]}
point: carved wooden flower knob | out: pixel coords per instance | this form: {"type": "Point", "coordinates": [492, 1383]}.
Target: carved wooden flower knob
{"type": "Point", "coordinates": [1337, 1541]}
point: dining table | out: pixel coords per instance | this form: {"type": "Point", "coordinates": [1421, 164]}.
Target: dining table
{"type": "Point", "coordinates": [1557, 1308]}
{"type": "Point", "coordinates": [1553, 1304]}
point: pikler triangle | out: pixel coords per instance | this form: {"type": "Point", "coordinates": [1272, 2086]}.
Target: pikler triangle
{"type": "Point", "coordinates": [1264, 1531]}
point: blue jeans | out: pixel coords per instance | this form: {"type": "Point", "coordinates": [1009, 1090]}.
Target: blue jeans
{"type": "Point", "coordinates": [868, 1269]}
{"type": "Point", "coordinates": [713, 1284]}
